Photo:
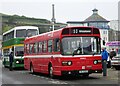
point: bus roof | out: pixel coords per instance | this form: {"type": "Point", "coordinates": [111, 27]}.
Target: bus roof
{"type": "Point", "coordinates": [55, 33]}
{"type": "Point", "coordinates": [45, 33]}
{"type": "Point", "coordinates": [62, 29]}
{"type": "Point", "coordinates": [20, 27]}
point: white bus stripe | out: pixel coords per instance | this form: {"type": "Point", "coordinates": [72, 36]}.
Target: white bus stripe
{"type": "Point", "coordinates": [59, 55]}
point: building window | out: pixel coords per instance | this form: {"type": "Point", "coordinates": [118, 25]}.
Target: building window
{"type": "Point", "coordinates": [104, 38]}
{"type": "Point", "coordinates": [104, 32]}
{"type": "Point", "coordinates": [93, 24]}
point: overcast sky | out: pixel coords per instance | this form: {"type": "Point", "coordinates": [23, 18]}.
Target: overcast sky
{"type": "Point", "coordinates": [65, 10]}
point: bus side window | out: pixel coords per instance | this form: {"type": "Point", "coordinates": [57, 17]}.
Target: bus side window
{"type": "Point", "coordinates": [27, 48]}
{"type": "Point", "coordinates": [40, 46]}
{"type": "Point", "coordinates": [49, 45]}
{"type": "Point", "coordinates": [56, 45]}
{"type": "Point", "coordinates": [35, 48]}
{"type": "Point", "coordinates": [45, 46]}
{"type": "Point", "coordinates": [31, 48]}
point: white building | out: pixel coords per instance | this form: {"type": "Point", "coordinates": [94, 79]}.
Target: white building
{"type": "Point", "coordinates": [114, 33]}
{"type": "Point", "coordinates": [94, 20]}
{"type": "Point", "coordinates": [119, 15]}
{"type": "Point", "coordinates": [114, 25]}
{"type": "Point", "coordinates": [0, 44]}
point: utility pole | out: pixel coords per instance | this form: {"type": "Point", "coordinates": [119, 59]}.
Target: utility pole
{"type": "Point", "coordinates": [53, 17]}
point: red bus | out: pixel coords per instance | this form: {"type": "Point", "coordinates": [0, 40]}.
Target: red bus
{"type": "Point", "coordinates": [70, 50]}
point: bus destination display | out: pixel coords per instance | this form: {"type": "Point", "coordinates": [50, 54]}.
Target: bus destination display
{"type": "Point", "coordinates": [81, 31]}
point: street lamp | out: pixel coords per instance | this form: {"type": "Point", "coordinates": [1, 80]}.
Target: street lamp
{"type": "Point", "coordinates": [53, 17]}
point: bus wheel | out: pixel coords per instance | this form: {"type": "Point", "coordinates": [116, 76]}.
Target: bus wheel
{"type": "Point", "coordinates": [31, 68]}
{"type": "Point", "coordinates": [51, 71]}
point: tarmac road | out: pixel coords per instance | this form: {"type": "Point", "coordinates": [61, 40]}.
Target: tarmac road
{"type": "Point", "coordinates": [20, 76]}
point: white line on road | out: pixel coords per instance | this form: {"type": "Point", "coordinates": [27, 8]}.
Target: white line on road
{"type": "Point", "coordinates": [52, 81]}
{"type": "Point", "coordinates": [57, 82]}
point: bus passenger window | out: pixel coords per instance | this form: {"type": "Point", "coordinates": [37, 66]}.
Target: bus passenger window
{"type": "Point", "coordinates": [36, 48]}
{"type": "Point", "coordinates": [50, 46]}
{"type": "Point", "coordinates": [27, 48]}
{"type": "Point", "coordinates": [57, 45]}
{"type": "Point", "coordinates": [45, 46]}
{"type": "Point", "coordinates": [31, 49]}
{"type": "Point", "coordinates": [40, 47]}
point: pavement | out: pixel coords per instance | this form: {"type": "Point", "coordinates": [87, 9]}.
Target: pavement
{"type": "Point", "coordinates": [112, 74]}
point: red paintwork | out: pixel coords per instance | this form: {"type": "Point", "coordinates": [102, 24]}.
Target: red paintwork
{"type": "Point", "coordinates": [41, 64]}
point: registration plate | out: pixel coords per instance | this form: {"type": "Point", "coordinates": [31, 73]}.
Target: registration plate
{"type": "Point", "coordinates": [83, 71]}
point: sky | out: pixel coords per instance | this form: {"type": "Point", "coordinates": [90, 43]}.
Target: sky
{"type": "Point", "coordinates": [65, 10]}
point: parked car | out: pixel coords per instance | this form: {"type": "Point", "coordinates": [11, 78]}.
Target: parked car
{"type": "Point", "coordinates": [115, 62]}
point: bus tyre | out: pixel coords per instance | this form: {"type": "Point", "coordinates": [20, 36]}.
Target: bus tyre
{"type": "Point", "coordinates": [31, 68]}
{"type": "Point", "coordinates": [51, 71]}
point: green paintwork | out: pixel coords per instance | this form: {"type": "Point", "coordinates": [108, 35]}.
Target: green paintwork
{"type": "Point", "coordinates": [15, 65]}
{"type": "Point", "coordinates": [13, 41]}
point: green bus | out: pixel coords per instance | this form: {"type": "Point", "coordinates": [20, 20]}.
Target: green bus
{"type": "Point", "coordinates": [13, 40]}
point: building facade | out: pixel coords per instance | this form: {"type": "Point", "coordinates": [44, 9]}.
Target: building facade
{"type": "Point", "coordinates": [114, 33]}
{"type": "Point", "coordinates": [94, 20]}
{"type": "Point", "coordinates": [114, 25]}
{"type": "Point", "coordinates": [119, 15]}
{"type": "Point", "coordinates": [0, 45]}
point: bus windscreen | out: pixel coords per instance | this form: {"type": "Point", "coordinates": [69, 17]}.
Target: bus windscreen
{"type": "Point", "coordinates": [26, 33]}
{"type": "Point", "coordinates": [19, 51]}
{"type": "Point", "coordinates": [80, 45]}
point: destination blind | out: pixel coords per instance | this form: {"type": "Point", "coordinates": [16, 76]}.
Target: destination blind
{"type": "Point", "coordinates": [81, 31]}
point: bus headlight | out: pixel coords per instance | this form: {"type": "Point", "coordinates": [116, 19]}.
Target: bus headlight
{"type": "Point", "coordinates": [69, 63]}
{"type": "Point", "coordinates": [95, 62]}
{"type": "Point", "coordinates": [17, 62]}
{"type": "Point", "coordinates": [66, 63]}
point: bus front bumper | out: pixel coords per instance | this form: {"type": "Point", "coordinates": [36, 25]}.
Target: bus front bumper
{"type": "Point", "coordinates": [80, 72]}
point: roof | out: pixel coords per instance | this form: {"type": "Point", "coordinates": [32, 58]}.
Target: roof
{"type": "Point", "coordinates": [95, 17]}
{"type": "Point", "coordinates": [20, 27]}
{"type": "Point", "coordinates": [76, 22]}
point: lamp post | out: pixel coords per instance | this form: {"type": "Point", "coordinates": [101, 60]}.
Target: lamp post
{"type": "Point", "coordinates": [53, 18]}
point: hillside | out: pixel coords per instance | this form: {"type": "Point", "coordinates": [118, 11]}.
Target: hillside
{"type": "Point", "coordinates": [10, 21]}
